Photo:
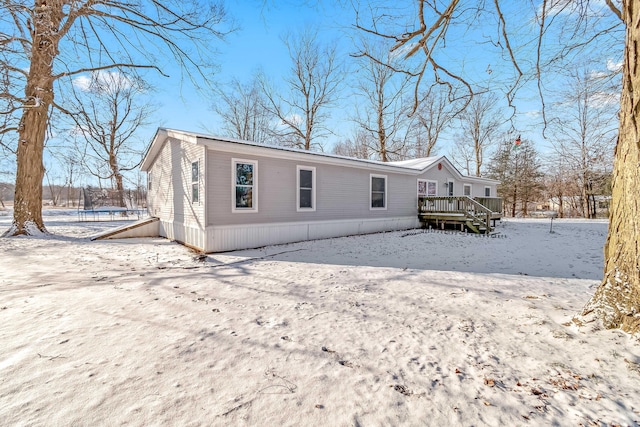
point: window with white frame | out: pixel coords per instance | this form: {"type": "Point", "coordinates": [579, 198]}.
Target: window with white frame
{"type": "Point", "coordinates": [427, 188]}
{"type": "Point", "coordinates": [422, 188]}
{"type": "Point", "coordinates": [149, 181]}
{"type": "Point", "coordinates": [449, 185]}
{"type": "Point", "coordinates": [195, 180]}
{"type": "Point", "coordinates": [487, 191]}
{"type": "Point", "coordinates": [378, 191]}
{"type": "Point", "coordinates": [306, 185]}
{"type": "Point", "coordinates": [432, 188]}
{"type": "Point", "coordinates": [466, 190]}
{"type": "Point", "coordinates": [245, 185]}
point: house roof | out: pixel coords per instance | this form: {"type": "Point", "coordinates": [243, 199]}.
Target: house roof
{"type": "Point", "coordinates": [417, 164]}
{"type": "Point", "coordinates": [412, 166]}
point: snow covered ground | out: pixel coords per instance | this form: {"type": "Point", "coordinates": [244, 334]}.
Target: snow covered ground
{"type": "Point", "coordinates": [402, 328]}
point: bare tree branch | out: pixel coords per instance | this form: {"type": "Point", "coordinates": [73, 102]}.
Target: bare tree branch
{"type": "Point", "coordinates": [614, 9]}
{"type": "Point", "coordinates": [57, 39]}
{"type": "Point", "coordinates": [314, 82]}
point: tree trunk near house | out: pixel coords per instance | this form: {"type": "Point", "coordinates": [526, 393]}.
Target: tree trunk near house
{"type": "Point", "coordinates": [27, 213]}
{"type": "Point", "coordinates": [117, 177]}
{"type": "Point", "coordinates": [617, 300]}
{"type": "Point", "coordinates": [382, 133]}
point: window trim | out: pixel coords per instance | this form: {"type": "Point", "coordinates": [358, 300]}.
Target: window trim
{"type": "Point", "coordinates": [427, 181]}
{"type": "Point", "coordinates": [470, 187]}
{"type": "Point", "coordinates": [386, 192]}
{"type": "Point", "coordinates": [195, 183]}
{"type": "Point", "coordinates": [485, 191]}
{"type": "Point", "coordinates": [149, 181]}
{"type": "Point", "coordinates": [254, 196]}
{"type": "Point", "coordinates": [426, 187]}
{"type": "Point", "coordinates": [451, 188]}
{"type": "Point", "coordinates": [313, 188]}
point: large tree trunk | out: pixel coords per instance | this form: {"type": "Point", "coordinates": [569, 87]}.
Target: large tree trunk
{"type": "Point", "coordinates": [617, 300]}
{"type": "Point", "coordinates": [113, 164]}
{"type": "Point", "coordinates": [27, 208]}
{"type": "Point", "coordinates": [27, 213]}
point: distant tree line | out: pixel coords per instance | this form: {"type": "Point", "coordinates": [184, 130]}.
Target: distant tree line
{"type": "Point", "coordinates": [64, 196]}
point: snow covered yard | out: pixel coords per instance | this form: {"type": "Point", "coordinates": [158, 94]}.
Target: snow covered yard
{"type": "Point", "coordinates": [403, 328]}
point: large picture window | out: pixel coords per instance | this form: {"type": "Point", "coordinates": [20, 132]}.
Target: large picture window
{"type": "Point", "coordinates": [427, 188]}
{"type": "Point", "coordinates": [306, 184]}
{"type": "Point", "coordinates": [378, 192]}
{"type": "Point", "coordinates": [195, 182]}
{"type": "Point", "coordinates": [245, 179]}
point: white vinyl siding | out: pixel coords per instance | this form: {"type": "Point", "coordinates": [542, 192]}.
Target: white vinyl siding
{"type": "Point", "coordinates": [244, 185]}
{"type": "Point", "coordinates": [306, 189]}
{"type": "Point", "coordinates": [341, 193]}
{"type": "Point", "coordinates": [170, 197]}
{"type": "Point", "coordinates": [378, 192]}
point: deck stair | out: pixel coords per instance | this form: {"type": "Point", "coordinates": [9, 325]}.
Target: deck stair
{"type": "Point", "coordinates": [460, 211]}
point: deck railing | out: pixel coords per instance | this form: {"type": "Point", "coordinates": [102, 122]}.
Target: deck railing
{"type": "Point", "coordinates": [480, 210]}
{"type": "Point", "coordinates": [493, 203]}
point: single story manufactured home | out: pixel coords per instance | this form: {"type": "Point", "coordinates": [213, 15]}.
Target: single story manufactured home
{"type": "Point", "coordinates": [220, 194]}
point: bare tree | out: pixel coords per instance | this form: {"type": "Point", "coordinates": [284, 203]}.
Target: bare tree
{"type": "Point", "coordinates": [108, 109]}
{"type": "Point", "coordinates": [45, 43]}
{"type": "Point", "coordinates": [461, 154]}
{"type": "Point", "coordinates": [558, 184]}
{"type": "Point", "coordinates": [356, 147]}
{"type": "Point", "coordinates": [584, 129]}
{"type": "Point", "coordinates": [243, 110]}
{"type": "Point", "coordinates": [5, 188]}
{"type": "Point", "coordinates": [480, 123]}
{"type": "Point", "coordinates": [383, 113]}
{"type": "Point", "coordinates": [434, 115]}
{"type": "Point", "coordinates": [313, 86]}
{"type": "Point", "coordinates": [617, 300]}
{"type": "Point", "coordinates": [55, 191]}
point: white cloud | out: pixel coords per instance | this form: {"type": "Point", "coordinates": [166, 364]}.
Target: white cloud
{"type": "Point", "coordinates": [533, 113]}
{"type": "Point", "coordinates": [565, 7]}
{"type": "Point", "coordinates": [595, 75]}
{"type": "Point", "coordinates": [83, 83]}
{"type": "Point", "coordinates": [103, 80]}
{"type": "Point", "coordinates": [614, 66]}
{"type": "Point", "coordinates": [602, 99]}
{"type": "Point", "coordinates": [296, 119]}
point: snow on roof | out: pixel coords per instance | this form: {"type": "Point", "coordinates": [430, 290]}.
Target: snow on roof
{"type": "Point", "coordinates": [418, 164]}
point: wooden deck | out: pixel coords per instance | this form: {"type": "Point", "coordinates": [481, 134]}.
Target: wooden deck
{"type": "Point", "coordinates": [477, 214]}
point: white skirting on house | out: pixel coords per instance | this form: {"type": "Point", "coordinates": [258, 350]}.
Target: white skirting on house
{"type": "Point", "coordinates": [234, 237]}
{"type": "Point", "coordinates": [189, 235]}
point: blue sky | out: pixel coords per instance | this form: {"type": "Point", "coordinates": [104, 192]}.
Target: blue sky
{"type": "Point", "coordinates": [256, 45]}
